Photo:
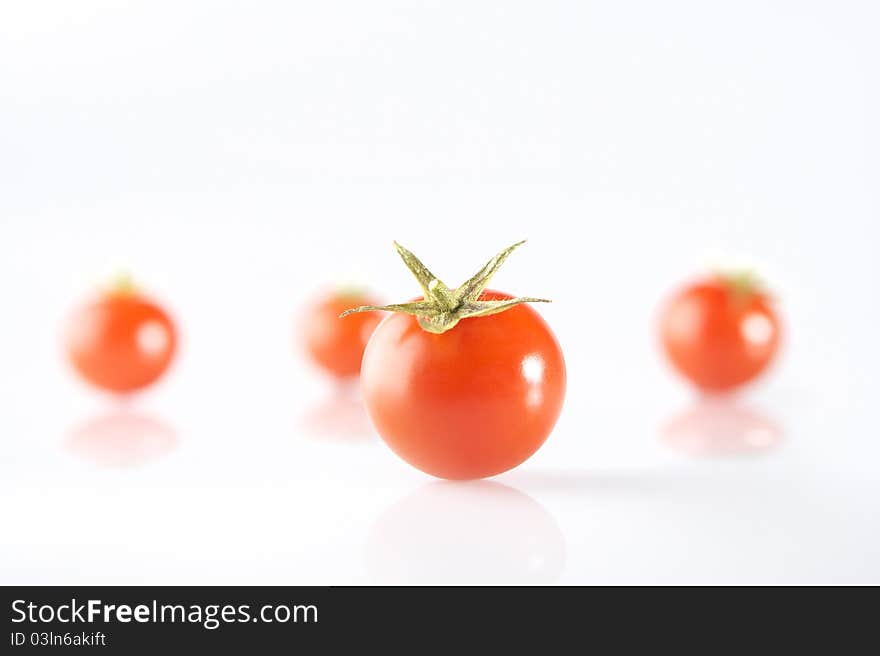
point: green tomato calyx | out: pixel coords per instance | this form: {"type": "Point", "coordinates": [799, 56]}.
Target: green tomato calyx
{"type": "Point", "coordinates": [442, 307]}
{"type": "Point", "coordinates": [122, 284]}
{"type": "Point", "coordinates": [742, 282]}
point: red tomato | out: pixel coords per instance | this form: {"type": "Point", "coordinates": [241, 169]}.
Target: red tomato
{"type": "Point", "coordinates": [121, 342]}
{"type": "Point", "coordinates": [471, 402]}
{"type": "Point", "coordinates": [720, 333]}
{"type": "Point", "coordinates": [337, 346]}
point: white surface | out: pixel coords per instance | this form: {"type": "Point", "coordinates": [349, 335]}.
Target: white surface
{"type": "Point", "coordinates": [237, 156]}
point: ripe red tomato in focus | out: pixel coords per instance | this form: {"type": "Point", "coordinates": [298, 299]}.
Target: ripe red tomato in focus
{"type": "Point", "coordinates": [471, 402]}
{"type": "Point", "coordinates": [121, 342]}
{"type": "Point", "coordinates": [337, 346]}
{"type": "Point", "coordinates": [720, 333]}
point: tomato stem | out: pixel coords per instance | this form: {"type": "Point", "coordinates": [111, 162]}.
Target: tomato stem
{"type": "Point", "coordinates": [442, 308]}
{"type": "Point", "coordinates": [122, 284]}
{"type": "Point", "coordinates": [743, 282]}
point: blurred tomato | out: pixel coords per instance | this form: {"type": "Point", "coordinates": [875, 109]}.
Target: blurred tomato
{"type": "Point", "coordinates": [121, 342]}
{"type": "Point", "coordinates": [721, 332]}
{"type": "Point", "coordinates": [334, 345]}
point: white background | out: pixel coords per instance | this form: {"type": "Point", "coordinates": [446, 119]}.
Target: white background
{"type": "Point", "coordinates": [236, 157]}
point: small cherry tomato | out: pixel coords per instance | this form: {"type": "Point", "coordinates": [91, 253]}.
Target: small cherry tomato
{"type": "Point", "coordinates": [121, 342]}
{"type": "Point", "coordinates": [464, 383]}
{"type": "Point", "coordinates": [720, 332]}
{"type": "Point", "coordinates": [337, 346]}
